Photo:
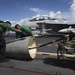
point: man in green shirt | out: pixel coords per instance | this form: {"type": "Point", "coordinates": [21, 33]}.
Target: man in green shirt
{"type": "Point", "coordinates": [3, 27]}
{"type": "Point", "coordinates": [26, 31]}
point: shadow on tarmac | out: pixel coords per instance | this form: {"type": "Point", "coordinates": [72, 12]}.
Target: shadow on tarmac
{"type": "Point", "coordinates": [68, 63]}
{"type": "Point", "coordinates": [19, 59]}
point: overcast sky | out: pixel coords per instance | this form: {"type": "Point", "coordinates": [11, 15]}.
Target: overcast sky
{"type": "Point", "coordinates": [18, 10]}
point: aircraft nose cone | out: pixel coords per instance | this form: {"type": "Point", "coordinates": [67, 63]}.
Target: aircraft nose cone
{"type": "Point", "coordinates": [60, 31]}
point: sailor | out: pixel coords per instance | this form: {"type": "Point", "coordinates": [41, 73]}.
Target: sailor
{"type": "Point", "coordinates": [26, 31]}
{"type": "Point", "coordinates": [3, 27]}
{"type": "Point", "coordinates": [63, 43]}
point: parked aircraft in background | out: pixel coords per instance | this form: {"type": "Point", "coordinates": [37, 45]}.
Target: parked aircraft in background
{"type": "Point", "coordinates": [41, 32]}
{"type": "Point", "coordinates": [67, 30]}
{"type": "Point", "coordinates": [43, 24]}
{"type": "Point", "coordinates": [31, 24]}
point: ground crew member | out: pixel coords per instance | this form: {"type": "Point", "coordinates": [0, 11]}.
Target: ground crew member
{"type": "Point", "coordinates": [3, 27]}
{"type": "Point", "coordinates": [63, 42]}
{"type": "Point", "coordinates": [26, 31]}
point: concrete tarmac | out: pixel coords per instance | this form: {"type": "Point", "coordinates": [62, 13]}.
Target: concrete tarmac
{"type": "Point", "coordinates": [42, 64]}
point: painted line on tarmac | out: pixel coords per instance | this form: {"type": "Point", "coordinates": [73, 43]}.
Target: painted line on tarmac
{"type": "Point", "coordinates": [19, 69]}
{"type": "Point", "coordinates": [45, 53]}
{"type": "Point", "coordinates": [50, 45]}
{"type": "Point", "coordinates": [55, 54]}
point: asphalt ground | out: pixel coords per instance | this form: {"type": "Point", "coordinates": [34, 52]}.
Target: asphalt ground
{"type": "Point", "coordinates": [42, 64]}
